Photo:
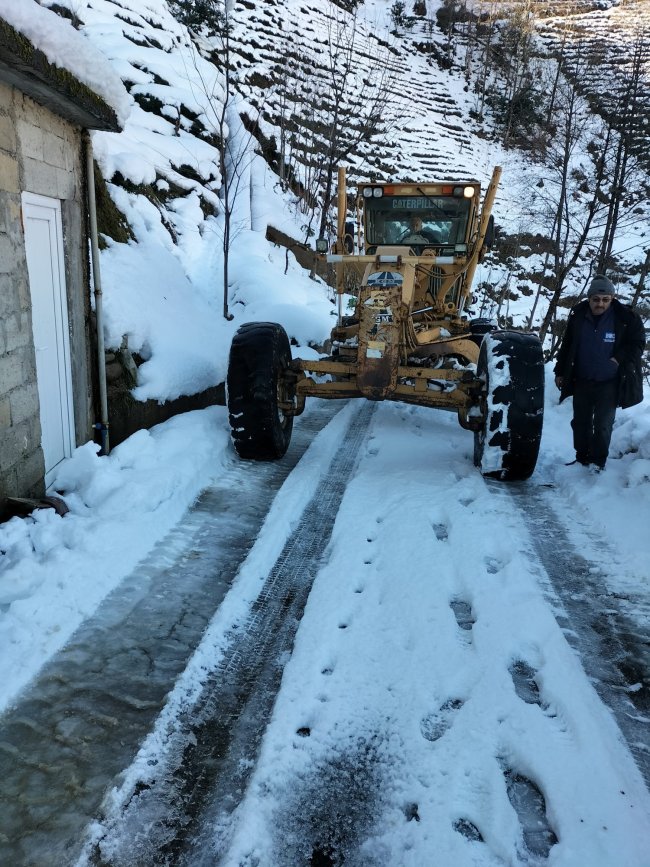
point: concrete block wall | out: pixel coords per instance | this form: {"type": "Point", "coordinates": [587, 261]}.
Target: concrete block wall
{"type": "Point", "coordinates": [39, 153]}
{"type": "Point", "coordinates": [21, 459]}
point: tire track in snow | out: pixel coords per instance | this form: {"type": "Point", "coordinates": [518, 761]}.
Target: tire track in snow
{"type": "Point", "coordinates": [82, 719]}
{"type": "Point", "coordinates": [614, 652]}
{"type": "Point", "coordinates": [171, 821]}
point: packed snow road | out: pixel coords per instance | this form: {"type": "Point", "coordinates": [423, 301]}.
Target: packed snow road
{"type": "Point", "coordinates": [403, 672]}
{"type": "Point", "coordinates": [84, 717]}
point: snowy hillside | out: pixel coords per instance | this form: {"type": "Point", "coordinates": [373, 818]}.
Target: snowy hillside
{"type": "Point", "coordinates": [161, 281]}
{"type": "Point", "coordinates": [427, 133]}
{"type": "Point", "coordinates": [164, 285]}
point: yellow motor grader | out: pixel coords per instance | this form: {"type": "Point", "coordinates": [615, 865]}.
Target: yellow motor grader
{"type": "Point", "coordinates": [408, 259]}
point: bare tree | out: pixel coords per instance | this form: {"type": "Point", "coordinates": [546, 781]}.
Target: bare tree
{"type": "Point", "coordinates": [327, 106]}
{"type": "Point", "coordinates": [355, 102]}
{"type": "Point", "coordinates": [485, 34]}
{"type": "Point", "coordinates": [234, 149]}
{"type": "Point", "coordinates": [300, 136]}
{"type": "Point", "coordinates": [450, 16]}
{"type": "Point", "coordinates": [210, 22]}
{"type": "Point", "coordinates": [630, 120]}
{"type": "Point", "coordinates": [640, 286]}
{"type": "Point", "coordinates": [570, 191]}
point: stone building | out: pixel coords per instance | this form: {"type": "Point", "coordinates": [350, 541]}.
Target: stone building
{"type": "Point", "coordinates": [47, 360]}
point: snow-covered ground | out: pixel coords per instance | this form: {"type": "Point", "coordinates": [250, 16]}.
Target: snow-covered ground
{"type": "Point", "coordinates": [418, 529]}
{"type": "Point", "coordinates": [390, 687]}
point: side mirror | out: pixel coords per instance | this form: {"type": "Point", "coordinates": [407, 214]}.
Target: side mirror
{"type": "Point", "coordinates": [489, 235]}
{"type": "Point", "coordinates": [348, 240]}
{"type": "Point", "coordinates": [488, 241]}
{"type": "Point", "coordinates": [321, 245]}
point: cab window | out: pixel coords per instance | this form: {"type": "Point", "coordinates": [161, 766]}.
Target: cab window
{"type": "Point", "coordinates": [390, 219]}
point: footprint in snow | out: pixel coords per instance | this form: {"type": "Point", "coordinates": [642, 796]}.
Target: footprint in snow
{"type": "Point", "coordinates": [411, 812]}
{"type": "Point", "coordinates": [525, 682]}
{"type": "Point", "coordinates": [530, 806]}
{"type": "Point", "coordinates": [371, 448]}
{"type": "Point", "coordinates": [463, 613]}
{"type": "Point", "coordinates": [441, 531]}
{"type": "Point", "coordinates": [434, 725]}
{"type": "Point", "coordinates": [493, 565]}
{"type": "Point", "coordinates": [468, 830]}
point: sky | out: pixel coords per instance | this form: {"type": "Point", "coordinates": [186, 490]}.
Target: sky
{"type": "Point", "coordinates": [436, 700]}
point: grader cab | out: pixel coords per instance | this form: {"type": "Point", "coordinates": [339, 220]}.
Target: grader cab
{"type": "Point", "coordinates": [408, 259]}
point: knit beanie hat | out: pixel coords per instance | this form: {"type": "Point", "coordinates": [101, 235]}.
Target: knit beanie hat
{"type": "Point", "coordinates": [601, 285]}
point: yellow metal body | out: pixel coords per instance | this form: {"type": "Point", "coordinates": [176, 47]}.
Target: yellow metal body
{"type": "Point", "coordinates": [408, 339]}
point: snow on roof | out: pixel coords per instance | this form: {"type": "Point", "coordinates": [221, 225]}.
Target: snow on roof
{"type": "Point", "coordinates": [68, 49]}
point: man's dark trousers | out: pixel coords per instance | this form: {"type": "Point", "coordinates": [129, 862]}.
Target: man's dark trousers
{"type": "Point", "coordinates": [594, 409]}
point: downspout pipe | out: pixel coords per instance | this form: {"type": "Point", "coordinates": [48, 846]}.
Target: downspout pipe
{"type": "Point", "coordinates": [101, 426]}
{"type": "Point", "coordinates": [342, 205]}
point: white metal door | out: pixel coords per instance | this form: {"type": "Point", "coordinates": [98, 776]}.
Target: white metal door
{"type": "Point", "coordinates": [44, 249]}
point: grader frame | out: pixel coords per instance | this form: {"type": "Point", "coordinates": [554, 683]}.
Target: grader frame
{"type": "Point", "coordinates": [408, 340]}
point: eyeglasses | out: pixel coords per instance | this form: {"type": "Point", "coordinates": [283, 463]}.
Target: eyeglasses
{"type": "Point", "coordinates": [601, 300]}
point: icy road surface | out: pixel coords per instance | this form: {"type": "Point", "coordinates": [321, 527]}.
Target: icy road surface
{"type": "Point", "coordinates": [432, 709]}
{"type": "Point", "coordinates": [83, 718]}
{"type": "Point", "coordinates": [412, 667]}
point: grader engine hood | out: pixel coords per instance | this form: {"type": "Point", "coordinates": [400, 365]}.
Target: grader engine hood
{"type": "Point", "coordinates": [382, 310]}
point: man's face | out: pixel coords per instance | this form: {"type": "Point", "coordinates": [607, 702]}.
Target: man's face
{"type": "Point", "coordinates": [599, 303]}
{"type": "Point", "coordinates": [416, 224]}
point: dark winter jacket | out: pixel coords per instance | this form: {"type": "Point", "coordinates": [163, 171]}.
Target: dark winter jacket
{"type": "Point", "coordinates": [629, 342]}
{"type": "Point", "coordinates": [595, 341]}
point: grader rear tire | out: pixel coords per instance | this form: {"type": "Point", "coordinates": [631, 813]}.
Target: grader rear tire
{"type": "Point", "coordinates": [511, 363]}
{"type": "Point", "coordinates": [256, 384]}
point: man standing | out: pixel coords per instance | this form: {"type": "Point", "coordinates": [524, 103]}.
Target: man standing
{"type": "Point", "coordinates": [599, 363]}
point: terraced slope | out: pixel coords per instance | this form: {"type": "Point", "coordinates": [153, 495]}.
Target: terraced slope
{"type": "Point", "coordinates": [606, 35]}
{"type": "Point", "coordinates": [283, 45]}
{"type": "Point", "coordinates": [429, 129]}
{"type": "Point", "coordinates": [281, 57]}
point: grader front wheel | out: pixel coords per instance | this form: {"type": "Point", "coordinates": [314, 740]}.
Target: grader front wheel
{"type": "Point", "coordinates": [511, 365]}
{"type": "Point", "coordinates": [257, 387]}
